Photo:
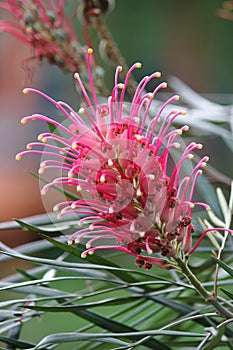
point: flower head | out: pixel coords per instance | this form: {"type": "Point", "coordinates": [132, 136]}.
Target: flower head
{"type": "Point", "coordinates": [46, 28]}
{"type": "Point", "coordinates": [118, 157]}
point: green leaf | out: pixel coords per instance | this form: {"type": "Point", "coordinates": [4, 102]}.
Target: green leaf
{"type": "Point", "coordinates": [223, 265]}
{"type": "Point", "coordinates": [17, 343]}
{"type": "Point", "coordinates": [230, 295]}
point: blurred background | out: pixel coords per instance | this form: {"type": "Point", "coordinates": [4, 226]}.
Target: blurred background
{"type": "Point", "coordinates": [180, 38]}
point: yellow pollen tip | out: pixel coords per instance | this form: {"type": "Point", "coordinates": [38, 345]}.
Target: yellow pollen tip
{"type": "Point", "coordinates": [121, 86]}
{"type": "Point", "coordinates": [55, 208]}
{"type": "Point", "coordinates": [42, 165]}
{"type": "Point", "coordinates": [151, 95]}
{"type": "Point", "coordinates": [91, 252]}
{"type": "Point", "coordinates": [199, 146]}
{"type": "Point", "coordinates": [120, 68]}
{"type": "Point", "coordinates": [157, 74]}
{"type": "Point", "coordinates": [176, 97]}
{"type": "Point", "coordinates": [41, 171]}
{"type": "Point", "coordinates": [91, 227]}
{"type": "Point", "coordinates": [141, 234]}
{"type": "Point", "coordinates": [80, 224]}
{"type": "Point", "coordinates": [88, 246]}
{"type": "Point", "coordinates": [59, 217]}
{"type": "Point", "coordinates": [83, 255]}
{"type": "Point", "coordinates": [44, 140]}
{"type": "Point", "coordinates": [164, 85]}
{"type": "Point", "coordinates": [179, 132]}
{"type": "Point", "coordinates": [208, 208]}
{"type": "Point", "coordinates": [177, 145]}
{"type": "Point", "coordinates": [185, 128]}
{"type": "Point", "coordinates": [76, 75]}
{"type": "Point", "coordinates": [102, 178]}
{"type": "Point", "coordinates": [78, 188]}
{"type": "Point", "coordinates": [77, 241]}
{"type": "Point", "coordinates": [81, 110]}
{"type": "Point", "coordinates": [184, 112]}
{"type": "Point", "coordinates": [191, 205]}
{"type": "Point", "coordinates": [138, 65]}
{"type": "Point", "coordinates": [110, 210]}
{"type": "Point", "coordinates": [29, 147]}
{"type": "Point", "coordinates": [25, 91]}
{"type": "Point", "coordinates": [203, 164]}
{"type": "Point", "coordinates": [190, 156]}
{"type": "Point", "coordinates": [40, 138]}
{"type": "Point", "coordinates": [73, 206]}
{"type": "Point", "coordinates": [70, 175]}
{"type": "Point", "coordinates": [138, 137]}
{"type": "Point", "coordinates": [136, 119]}
{"type": "Point", "coordinates": [43, 192]}
{"type": "Point", "coordinates": [18, 157]}
{"type": "Point", "coordinates": [110, 162]}
{"type": "Point", "coordinates": [151, 177]}
{"type": "Point", "coordinates": [207, 159]}
{"type": "Point", "coordinates": [90, 50]}
{"type": "Point", "coordinates": [69, 242]}
{"type": "Point", "coordinates": [23, 121]}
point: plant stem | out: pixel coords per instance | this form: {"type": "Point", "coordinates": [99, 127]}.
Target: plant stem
{"type": "Point", "coordinates": [201, 290]}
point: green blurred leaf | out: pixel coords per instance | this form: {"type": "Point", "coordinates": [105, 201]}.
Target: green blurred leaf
{"type": "Point", "coordinates": [223, 265]}
{"type": "Point", "coordinates": [20, 344]}
{"type": "Point", "coordinates": [230, 295]}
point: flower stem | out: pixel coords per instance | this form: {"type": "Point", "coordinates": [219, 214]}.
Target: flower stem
{"type": "Point", "coordinates": [201, 290]}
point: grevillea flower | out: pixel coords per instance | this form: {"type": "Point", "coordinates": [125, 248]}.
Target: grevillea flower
{"type": "Point", "coordinates": [44, 26]}
{"type": "Point", "coordinates": [118, 157]}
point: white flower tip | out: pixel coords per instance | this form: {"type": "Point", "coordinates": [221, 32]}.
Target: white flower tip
{"type": "Point", "coordinates": [199, 146]}
{"type": "Point", "coordinates": [56, 208]}
{"type": "Point", "coordinates": [102, 178]}
{"type": "Point", "coordinates": [164, 85]}
{"type": "Point", "coordinates": [191, 205]}
{"type": "Point", "coordinates": [18, 157]}
{"type": "Point", "coordinates": [151, 95]}
{"type": "Point", "coordinates": [177, 145]}
{"type": "Point", "coordinates": [206, 159]}
{"type": "Point", "coordinates": [70, 175]}
{"type": "Point", "coordinates": [76, 75]}
{"type": "Point", "coordinates": [81, 110]}
{"type": "Point", "coordinates": [88, 245]}
{"type": "Point", "coordinates": [190, 156]}
{"type": "Point", "coordinates": [208, 208]}
{"type": "Point", "coordinates": [138, 65]}
{"type": "Point", "coordinates": [78, 188]}
{"type": "Point", "coordinates": [59, 217]}
{"type": "Point", "coordinates": [151, 177]}
{"type": "Point", "coordinates": [110, 162]}
{"type": "Point", "coordinates": [119, 68]}
{"type": "Point", "coordinates": [138, 192]}
{"type": "Point", "coordinates": [40, 138]}
{"type": "Point", "coordinates": [158, 74]}
{"type": "Point", "coordinates": [77, 241]}
{"type": "Point", "coordinates": [121, 86]}
{"type": "Point", "coordinates": [44, 139]}
{"type": "Point", "coordinates": [149, 251]}
{"type": "Point", "coordinates": [90, 50]}
{"type": "Point", "coordinates": [185, 128]}
{"type": "Point", "coordinates": [91, 227]}
{"type": "Point", "coordinates": [83, 255]}
{"type": "Point", "coordinates": [80, 224]}
{"type": "Point", "coordinates": [138, 137]}
{"type": "Point", "coordinates": [184, 112]}
{"type": "Point", "coordinates": [91, 252]}
{"type": "Point", "coordinates": [23, 121]}
{"type": "Point", "coordinates": [41, 171]}
{"type": "Point", "coordinates": [70, 242]}
{"type": "Point", "coordinates": [136, 120]}
{"type": "Point", "coordinates": [25, 91]}
{"type": "Point", "coordinates": [42, 165]}
{"type": "Point", "coordinates": [176, 97]}
{"type": "Point", "coordinates": [142, 234]}
{"type": "Point", "coordinates": [73, 206]}
{"type": "Point", "coordinates": [111, 210]}
{"type": "Point", "coordinates": [43, 191]}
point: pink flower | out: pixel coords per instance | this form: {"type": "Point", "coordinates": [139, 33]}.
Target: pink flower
{"type": "Point", "coordinates": [118, 157]}
{"type": "Point", "coordinates": [45, 27]}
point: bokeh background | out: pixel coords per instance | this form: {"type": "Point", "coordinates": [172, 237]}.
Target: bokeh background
{"type": "Point", "coordinates": [180, 38]}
